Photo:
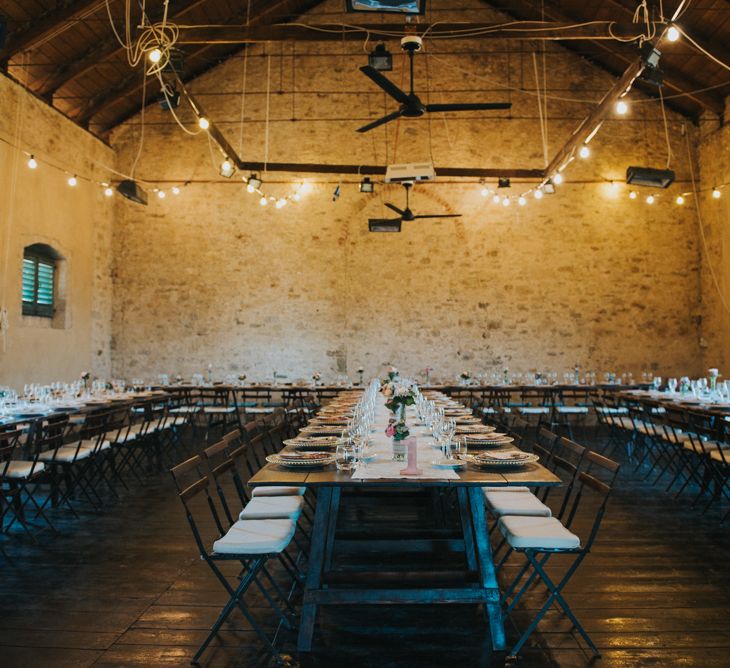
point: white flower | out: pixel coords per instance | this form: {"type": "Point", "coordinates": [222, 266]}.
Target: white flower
{"type": "Point", "coordinates": [402, 390]}
{"type": "Point", "coordinates": [714, 372]}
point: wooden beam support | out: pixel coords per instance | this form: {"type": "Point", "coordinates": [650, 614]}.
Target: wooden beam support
{"type": "Point", "coordinates": [532, 30]}
{"type": "Point", "coordinates": [48, 25]}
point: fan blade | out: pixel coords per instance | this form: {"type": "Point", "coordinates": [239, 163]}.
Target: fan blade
{"type": "Point", "coordinates": [386, 84]}
{"type": "Point", "coordinates": [476, 106]}
{"type": "Point", "coordinates": [380, 121]}
{"type": "Point", "coordinates": [393, 207]}
{"type": "Point", "coordinates": [439, 215]}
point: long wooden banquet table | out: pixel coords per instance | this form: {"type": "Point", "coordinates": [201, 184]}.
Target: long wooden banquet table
{"type": "Point", "coordinates": [359, 586]}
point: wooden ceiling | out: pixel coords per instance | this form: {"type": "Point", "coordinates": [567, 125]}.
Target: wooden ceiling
{"type": "Point", "coordinates": [66, 52]}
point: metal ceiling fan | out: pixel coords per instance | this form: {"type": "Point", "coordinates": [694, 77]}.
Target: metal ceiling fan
{"type": "Point", "coordinates": [410, 104]}
{"type": "Point", "coordinates": [408, 215]}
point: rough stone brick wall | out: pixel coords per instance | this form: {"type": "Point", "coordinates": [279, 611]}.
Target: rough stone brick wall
{"type": "Point", "coordinates": [585, 276]}
{"type": "Point", "coordinates": [38, 206]}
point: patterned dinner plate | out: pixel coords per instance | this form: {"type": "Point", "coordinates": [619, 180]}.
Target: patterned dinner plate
{"type": "Point", "coordinates": [513, 459]}
{"type": "Point", "coordinates": [301, 463]}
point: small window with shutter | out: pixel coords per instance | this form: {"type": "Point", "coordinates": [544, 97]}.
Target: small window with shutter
{"type": "Point", "coordinates": [39, 281]}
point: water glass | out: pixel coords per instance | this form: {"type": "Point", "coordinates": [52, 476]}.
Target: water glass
{"type": "Point", "coordinates": [345, 457]}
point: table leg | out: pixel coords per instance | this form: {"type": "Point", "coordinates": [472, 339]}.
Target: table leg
{"type": "Point", "coordinates": [316, 562]}
{"type": "Point", "coordinates": [331, 527]}
{"type": "Point", "coordinates": [487, 572]}
{"type": "Point", "coordinates": [467, 528]}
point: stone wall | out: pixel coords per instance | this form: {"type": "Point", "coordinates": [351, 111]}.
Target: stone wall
{"type": "Point", "coordinates": [38, 206]}
{"type": "Point", "coordinates": [585, 276]}
{"type": "Point", "coordinates": [714, 163]}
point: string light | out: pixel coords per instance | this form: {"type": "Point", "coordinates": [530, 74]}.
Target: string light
{"type": "Point", "coordinates": [650, 199]}
{"type": "Point", "coordinates": [716, 193]}
{"type": "Point", "coordinates": [263, 201]}
{"type": "Point", "coordinates": [72, 180]}
{"type": "Point", "coordinates": [32, 162]}
{"type": "Point", "coordinates": [485, 192]}
{"type": "Point", "coordinates": [522, 201]}
{"type": "Point", "coordinates": [633, 195]}
{"type": "Point", "coordinates": [496, 199]}
{"type": "Point", "coordinates": [227, 169]}
{"type": "Point", "coordinates": [584, 152]}
{"type": "Point", "coordinates": [679, 200]}
{"type": "Point", "coordinates": [558, 179]}
{"type": "Point", "coordinates": [621, 108]}
{"type": "Point", "coordinates": [155, 56]}
{"type": "Point", "coordinates": [505, 201]}
{"type": "Point", "coordinates": [305, 188]}
{"type": "Point", "coordinates": [108, 191]}
{"type": "Point", "coordinates": [161, 194]}
{"type": "Point", "coordinates": [175, 190]}
{"type": "Point", "coordinates": [538, 193]}
{"type": "Point", "coordinates": [203, 123]}
{"type": "Point", "coordinates": [672, 34]}
{"type": "Point", "coordinates": [281, 202]}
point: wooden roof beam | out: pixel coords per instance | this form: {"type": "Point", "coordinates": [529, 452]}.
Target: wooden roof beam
{"type": "Point", "coordinates": [50, 24]}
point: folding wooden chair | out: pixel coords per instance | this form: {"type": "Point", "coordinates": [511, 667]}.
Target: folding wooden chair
{"type": "Point", "coordinates": [540, 538]}
{"type": "Point", "coordinates": [250, 542]}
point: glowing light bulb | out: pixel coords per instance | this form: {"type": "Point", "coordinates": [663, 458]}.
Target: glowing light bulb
{"type": "Point", "coordinates": [621, 108]}
{"type": "Point", "coordinates": [296, 196]}
{"type": "Point", "coordinates": [505, 201]}
{"type": "Point", "coordinates": [485, 192]}
{"type": "Point", "coordinates": [161, 194]}
{"type": "Point", "coordinates": [650, 199]}
{"type": "Point", "coordinates": [72, 180]}
{"type": "Point", "coordinates": [716, 193]}
{"type": "Point", "coordinates": [558, 179]}
{"type": "Point", "coordinates": [32, 163]}
{"type": "Point", "coordinates": [281, 202]}
{"type": "Point", "coordinates": [108, 191]}
{"type": "Point", "coordinates": [263, 201]}
{"type": "Point", "coordinates": [305, 188]}
{"type": "Point", "coordinates": [632, 194]}
{"type": "Point", "coordinates": [672, 34]}
{"type": "Point", "coordinates": [227, 169]}
{"type": "Point", "coordinates": [584, 152]}
{"type": "Point", "coordinates": [496, 199]}
{"type": "Point", "coordinates": [203, 123]}
{"type": "Point", "coordinates": [175, 190]}
{"type": "Point", "coordinates": [538, 194]}
{"type": "Point", "coordinates": [155, 56]}
{"type": "Point", "coordinates": [250, 188]}
{"type": "Point", "coordinates": [521, 201]}
{"type": "Point", "coordinates": [679, 200]}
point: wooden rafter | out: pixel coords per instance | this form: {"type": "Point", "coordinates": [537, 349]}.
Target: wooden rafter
{"type": "Point", "coordinates": [49, 24]}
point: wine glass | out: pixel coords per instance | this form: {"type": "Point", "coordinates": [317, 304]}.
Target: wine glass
{"type": "Point", "coordinates": [657, 382]}
{"type": "Point", "coordinates": [672, 385]}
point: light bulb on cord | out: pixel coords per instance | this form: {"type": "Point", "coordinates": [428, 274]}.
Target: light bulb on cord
{"type": "Point", "coordinates": [250, 188]}
{"type": "Point", "coordinates": [281, 202]}
{"type": "Point", "coordinates": [155, 55]}
{"type": "Point", "coordinates": [32, 162]}
{"type": "Point", "coordinates": [305, 188]}
{"type": "Point", "coordinates": [175, 190]}
{"type": "Point", "coordinates": [496, 199]}
{"type": "Point", "coordinates": [679, 200]}
{"type": "Point", "coordinates": [558, 179]}
{"type": "Point", "coordinates": [485, 192]}
{"type": "Point", "coordinates": [263, 201]}
{"type": "Point", "coordinates": [584, 152]}
{"type": "Point", "coordinates": [505, 201]}
{"type": "Point", "coordinates": [621, 108]}
{"type": "Point", "coordinates": [538, 193]}
{"type": "Point", "coordinates": [72, 180]}
{"type": "Point", "coordinates": [203, 123]}
{"type": "Point", "coordinates": [632, 194]}
{"type": "Point", "coordinates": [716, 193]}
{"type": "Point", "coordinates": [161, 194]}
{"type": "Point", "coordinates": [296, 196]}
{"type": "Point", "coordinates": [108, 191]}
{"type": "Point", "coordinates": [650, 199]}
{"type": "Point", "coordinates": [672, 34]}
{"type": "Point", "coordinates": [522, 201]}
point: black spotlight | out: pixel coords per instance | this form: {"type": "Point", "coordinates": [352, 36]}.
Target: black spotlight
{"type": "Point", "coordinates": [169, 98]}
{"type": "Point", "coordinates": [503, 183]}
{"type": "Point", "coordinates": [366, 185]}
{"type": "Point", "coordinates": [381, 59]}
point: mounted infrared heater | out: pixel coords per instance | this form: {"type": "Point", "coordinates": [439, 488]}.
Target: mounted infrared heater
{"type": "Point", "coordinates": [648, 176]}
{"type": "Point", "coordinates": [387, 6]}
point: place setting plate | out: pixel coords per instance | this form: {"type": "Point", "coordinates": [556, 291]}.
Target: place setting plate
{"type": "Point", "coordinates": [321, 431]}
{"type": "Point", "coordinates": [445, 463]}
{"type": "Point", "coordinates": [474, 429]}
{"type": "Point", "coordinates": [502, 460]}
{"type": "Point", "coordinates": [302, 460]}
{"type": "Point", "coordinates": [314, 442]}
{"type": "Point", "coordinates": [492, 440]}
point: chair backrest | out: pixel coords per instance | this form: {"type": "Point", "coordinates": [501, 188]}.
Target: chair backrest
{"type": "Point", "coordinates": [544, 445]}
{"type": "Point", "coordinates": [221, 467]}
{"type": "Point", "coordinates": [565, 462]}
{"type": "Point", "coordinates": [9, 441]}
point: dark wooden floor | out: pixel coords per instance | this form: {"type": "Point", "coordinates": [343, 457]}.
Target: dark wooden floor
{"type": "Point", "coordinates": [123, 587]}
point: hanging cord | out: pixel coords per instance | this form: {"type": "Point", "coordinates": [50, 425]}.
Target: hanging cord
{"type": "Point", "coordinates": [695, 190]}
{"type": "Point", "coordinates": [428, 101]}
{"type": "Point", "coordinates": [543, 46]}
{"type": "Point", "coordinates": [142, 123]}
{"type": "Point", "coordinates": [666, 128]}
{"type": "Point", "coordinates": [543, 133]}
{"type": "Point", "coordinates": [268, 111]}
{"type": "Point", "coordinates": [716, 60]}
{"type": "Point", "coordinates": [243, 83]}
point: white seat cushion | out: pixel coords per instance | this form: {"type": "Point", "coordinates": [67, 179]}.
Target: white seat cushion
{"type": "Point", "coordinates": [273, 508]}
{"type": "Point", "coordinates": [218, 410]}
{"type": "Point", "coordinates": [534, 410]}
{"type": "Point", "coordinates": [573, 410]}
{"type": "Point", "coordinates": [536, 533]}
{"type": "Point", "coordinates": [92, 444]}
{"type": "Point", "coordinates": [511, 503]}
{"type": "Point", "coordinates": [21, 469]}
{"type": "Point", "coordinates": [66, 453]}
{"type": "Point", "coordinates": [608, 410]}
{"type": "Point", "coordinates": [278, 491]}
{"type": "Point", "coordinates": [256, 537]}
{"type": "Point", "coordinates": [185, 409]}
{"type": "Point", "coordinates": [516, 488]}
